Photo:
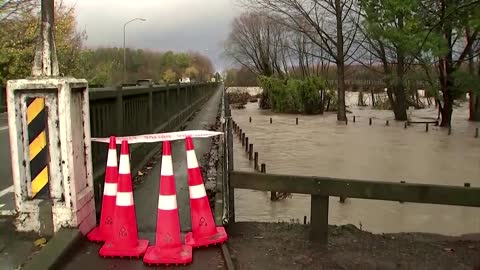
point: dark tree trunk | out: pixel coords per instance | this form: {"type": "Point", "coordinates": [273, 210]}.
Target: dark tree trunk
{"type": "Point", "coordinates": [474, 97]}
{"type": "Point", "coordinates": [341, 113]}
{"type": "Point", "coordinates": [446, 80]}
{"type": "Point", "coordinates": [447, 112]}
{"type": "Point", "coordinates": [399, 88]}
{"type": "Point", "coordinates": [474, 107]}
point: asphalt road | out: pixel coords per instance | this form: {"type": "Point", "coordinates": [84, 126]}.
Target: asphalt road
{"type": "Point", "coordinates": [6, 189]}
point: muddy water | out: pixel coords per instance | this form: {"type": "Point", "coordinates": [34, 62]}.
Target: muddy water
{"type": "Point", "coordinates": [320, 147]}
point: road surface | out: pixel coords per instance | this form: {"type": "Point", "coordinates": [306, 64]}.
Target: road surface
{"type": "Point", "coordinates": [6, 188]}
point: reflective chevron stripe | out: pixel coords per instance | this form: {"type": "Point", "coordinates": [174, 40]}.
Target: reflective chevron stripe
{"type": "Point", "coordinates": [37, 139]}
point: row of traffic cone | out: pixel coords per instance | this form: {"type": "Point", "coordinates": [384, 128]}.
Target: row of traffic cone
{"type": "Point", "coordinates": [118, 227]}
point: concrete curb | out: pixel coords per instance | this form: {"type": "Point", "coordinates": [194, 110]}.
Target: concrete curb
{"type": "Point", "coordinates": [227, 257]}
{"type": "Point", "coordinates": [54, 252]}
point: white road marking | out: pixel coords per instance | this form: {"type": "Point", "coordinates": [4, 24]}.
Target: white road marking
{"type": "Point", "coordinates": [3, 128]}
{"type": "Point", "coordinates": [2, 205]}
{"type": "Point", "coordinates": [7, 190]}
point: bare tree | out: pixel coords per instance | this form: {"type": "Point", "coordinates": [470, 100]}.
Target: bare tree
{"type": "Point", "coordinates": [329, 24]}
{"type": "Point", "coordinates": [256, 42]}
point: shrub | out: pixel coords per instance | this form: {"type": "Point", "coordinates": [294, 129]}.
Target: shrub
{"type": "Point", "coordinates": [238, 97]}
{"type": "Point", "coordinates": [292, 95]}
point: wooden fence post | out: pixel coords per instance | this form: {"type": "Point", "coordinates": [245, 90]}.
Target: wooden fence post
{"type": "Point", "coordinates": [250, 152]}
{"type": "Point", "coordinates": [319, 219]}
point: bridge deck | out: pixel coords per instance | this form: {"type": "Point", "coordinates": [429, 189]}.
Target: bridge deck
{"type": "Point", "coordinates": [146, 194]}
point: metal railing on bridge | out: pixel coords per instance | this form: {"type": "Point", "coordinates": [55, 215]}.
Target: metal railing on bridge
{"type": "Point", "coordinates": [321, 188]}
{"type": "Point", "coordinates": [140, 110]}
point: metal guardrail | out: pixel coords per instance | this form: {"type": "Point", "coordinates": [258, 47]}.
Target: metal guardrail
{"type": "Point", "coordinates": [320, 188]}
{"type": "Point", "coordinates": [140, 110]}
{"type": "Point", "coordinates": [228, 199]}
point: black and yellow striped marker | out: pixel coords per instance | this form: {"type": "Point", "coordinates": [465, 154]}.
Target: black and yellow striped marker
{"type": "Point", "coordinates": [37, 139]}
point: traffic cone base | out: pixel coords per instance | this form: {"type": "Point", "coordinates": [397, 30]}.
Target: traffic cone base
{"type": "Point", "coordinates": [96, 235]}
{"type": "Point", "coordinates": [219, 237]}
{"type": "Point", "coordinates": [112, 250]}
{"type": "Point", "coordinates": [161, 255]}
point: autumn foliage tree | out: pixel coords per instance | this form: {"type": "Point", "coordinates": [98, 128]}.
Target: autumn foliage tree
{"type": "Point", "coordinates": [19, 30]}
{"type": "Point", "coordinates": [17, 50]}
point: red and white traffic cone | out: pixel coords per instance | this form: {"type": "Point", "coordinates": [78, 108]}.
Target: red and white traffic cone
{"type": "Point", "coordinates": [103, 232]}
{"type": "Point", "coordinates": [204, 232]}
{"type": "Point", "coordinates": [124, 242]}
{"type": "Point", "coordinates": [168, 247]}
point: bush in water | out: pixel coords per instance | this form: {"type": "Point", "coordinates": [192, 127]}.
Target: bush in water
{"type": "Point", "coordinates": [293, 95]}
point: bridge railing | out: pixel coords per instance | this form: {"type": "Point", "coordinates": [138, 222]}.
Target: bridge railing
{"type": "Point", "coordinates": [320, 188]}
{"type": "Point", "coordinates": [140, 110]}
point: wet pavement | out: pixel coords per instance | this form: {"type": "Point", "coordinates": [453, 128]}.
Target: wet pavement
{"type": "Point", "coordinates": [87, 258]}
{"type": "Point", "coordinates": [15, 247]}
{"type": "Point", "coordinates": [146, 197]}
{"type": "Point", "coordinates": [6, 189]}
{"type": "Point", "coordinates": [319, 146]}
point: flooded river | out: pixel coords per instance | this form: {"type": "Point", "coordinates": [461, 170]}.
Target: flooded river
{"type": "Point", "coordinates": [320, 147]}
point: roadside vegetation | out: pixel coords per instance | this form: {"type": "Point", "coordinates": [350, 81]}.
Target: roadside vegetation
{"type": "Point", "coordinates": [19, 24]}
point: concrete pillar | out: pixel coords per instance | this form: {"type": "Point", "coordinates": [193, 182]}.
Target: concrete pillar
{"type": "Point", "coordinates": [51, 115]}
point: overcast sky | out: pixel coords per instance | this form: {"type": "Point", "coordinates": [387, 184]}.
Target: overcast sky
{"type": "Point", "coordinates": [178, 25]}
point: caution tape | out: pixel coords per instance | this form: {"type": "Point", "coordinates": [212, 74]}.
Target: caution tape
{"type": "Point", "coordinates": [160, 137]}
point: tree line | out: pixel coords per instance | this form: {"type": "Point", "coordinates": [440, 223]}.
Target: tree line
{"type": "Point", "coordinates": [433, 42]}
{"type": "Point", "coordinates": [19, 29]}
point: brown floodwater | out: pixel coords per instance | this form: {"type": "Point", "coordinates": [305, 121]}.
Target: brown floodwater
{"type": "Point", "coordinates": [318, 146]}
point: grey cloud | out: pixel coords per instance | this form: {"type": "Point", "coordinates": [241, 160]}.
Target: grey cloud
{"type": "Point", "coordinates": [179, 25]}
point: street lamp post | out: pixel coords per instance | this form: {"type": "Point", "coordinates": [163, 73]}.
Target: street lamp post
{"type": "Point", "coordinates": [124, 52]}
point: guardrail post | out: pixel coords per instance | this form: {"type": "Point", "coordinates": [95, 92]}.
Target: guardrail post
{"type": "Point", "coordinates": [119, 111]}
{"type": "Point", "coordinates": [167, 107]}
{"type": "Point", "coordinates": [187, 103]}
{"type": "Point", "coordinates": [150, 110]}
{"type": "Point", "coordinates": [319, 219]}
